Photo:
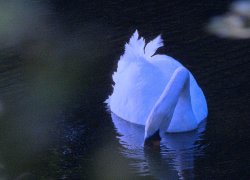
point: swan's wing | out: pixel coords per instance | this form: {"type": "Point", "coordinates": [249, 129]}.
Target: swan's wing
{"type": "Point", "coordinates": [198, 99]}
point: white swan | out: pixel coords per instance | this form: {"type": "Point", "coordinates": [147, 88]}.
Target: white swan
{"type": "Point", "coordinates": [155, 90]}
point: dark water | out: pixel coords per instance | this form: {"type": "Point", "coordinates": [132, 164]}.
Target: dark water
{"type": "Point", "coordinates": [56, 62]}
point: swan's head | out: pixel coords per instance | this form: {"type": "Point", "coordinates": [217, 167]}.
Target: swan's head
{"type": "Point", "coordinates": [153, 140]}
{"type": "Point", "coordinates": [155, 125]}
{"type": "Point", "coordinates": [158, 121]}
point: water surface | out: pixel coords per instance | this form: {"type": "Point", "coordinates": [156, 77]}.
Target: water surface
{"type": "Point", "coordinates": [56, 62]}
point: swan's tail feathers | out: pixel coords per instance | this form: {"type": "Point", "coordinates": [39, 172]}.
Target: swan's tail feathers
{"type": "Point", "coordinates": [136, 45]}
{"type": "Point", "coordinates": [152, 46]}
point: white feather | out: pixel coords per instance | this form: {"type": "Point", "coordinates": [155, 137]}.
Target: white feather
{"type": "Point", "coordinates": [135, 46]}
{"type": "Point", "coordinates": [152, 46]}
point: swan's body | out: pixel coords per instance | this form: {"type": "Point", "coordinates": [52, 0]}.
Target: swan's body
{"type": "Point", "coordinates": [155, 90]}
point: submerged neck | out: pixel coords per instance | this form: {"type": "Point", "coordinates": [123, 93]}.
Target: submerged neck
{"type": "Point", "coordinates": [162, 112]}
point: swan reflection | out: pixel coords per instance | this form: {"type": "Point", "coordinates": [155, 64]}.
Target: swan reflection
{"type": "Point", "coordinates": [173, 160]}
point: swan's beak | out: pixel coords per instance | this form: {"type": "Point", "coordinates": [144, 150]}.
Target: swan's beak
{"type": "Point", "coordinates": [154, 140]}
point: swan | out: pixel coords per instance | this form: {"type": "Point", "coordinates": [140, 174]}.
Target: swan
{"type": "Point", "coordinates": [155, 90]}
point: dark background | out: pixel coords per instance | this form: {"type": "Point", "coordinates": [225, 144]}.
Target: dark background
{"type": "Point", "coordinates": [55, 78]}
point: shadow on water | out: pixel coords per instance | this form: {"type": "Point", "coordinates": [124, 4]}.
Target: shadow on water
{"type": "Point", "coordinates": [175, 158]}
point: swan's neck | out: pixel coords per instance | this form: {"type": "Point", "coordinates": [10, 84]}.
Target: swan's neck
{"type": "Point", "coordinates": [162, 112]}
